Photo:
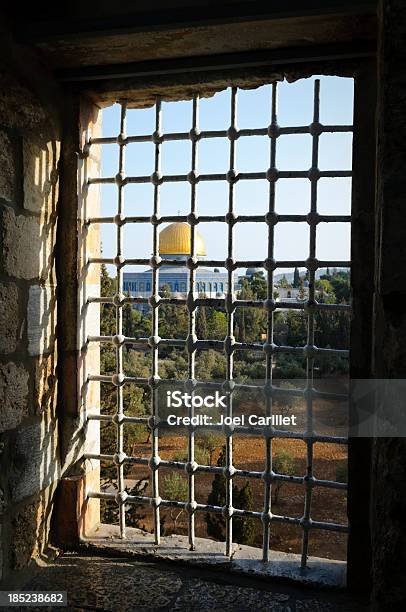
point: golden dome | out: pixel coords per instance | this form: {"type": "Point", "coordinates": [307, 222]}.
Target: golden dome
{"type": "Point", "coordinates": [175, 240]}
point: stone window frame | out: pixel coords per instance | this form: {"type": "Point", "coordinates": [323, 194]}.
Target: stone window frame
{"type": "Point", "coordinates": [82, 112]}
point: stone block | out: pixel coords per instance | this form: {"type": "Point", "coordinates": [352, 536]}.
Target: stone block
{"type": "Point", "coordinates": [7, 165]}
{"type": "Point", "coordinates": [3, 503]}
{"type": "Point", "coordinates": [1, 553]}
{"type": "Point", "coordinates": [24, 541]}
{"type": "Point", "coordinates": [41, 319]}
{"type": "Point", "coordinates": [92, 443]}
{"type": "Point", "coordinates": [19, 106]}
{"type": "Point", "coordinates": [45, 385]}
{"type": "Point", "coordinates": [34, 459]}
{"type": "Point", "coordinates": [75, 515]}
{"type": "Point", "coordinates": [89, 509]}
{"type": "Point", "coordinates": [9, 318]}
{"type": "Point", "coordinates": [13, 395]}
{"type": "Point", "coordinates": [89, 314]}
{"type": "Point", "coordinates": [21, 245]}
{"type": "Point", "coordinates": [28, 245]}
{"type": "Point", "coordinates": [41, 175]}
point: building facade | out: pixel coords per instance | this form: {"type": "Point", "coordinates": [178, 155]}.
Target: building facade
{"type": "Point", "coordinates": [174, 243]}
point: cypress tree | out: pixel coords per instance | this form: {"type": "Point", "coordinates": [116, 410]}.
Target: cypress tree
{"type": "Point", "coordinates": [243, 527]}
{"type": "Point", "coordinates": [201, 323]}
{"type": "Point", "coordinates": [296, 278]}
{"type": "Point", "coordinates": [217, 497]}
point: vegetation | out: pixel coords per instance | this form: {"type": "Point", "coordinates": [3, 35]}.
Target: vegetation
{"type": "Point", "coordinates": [290, 328]}
{"type": "Point", "coordinates": [342, 472]}
{"type": "Point", "coordinates": [175, 488]}
{"type": "Point", "coordinates": [282, 463]}
{"type": "Point", "coordinates": [243, 527]}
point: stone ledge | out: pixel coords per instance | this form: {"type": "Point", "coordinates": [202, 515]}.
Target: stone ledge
{"type": "Point", "coordinates": [246, 560]}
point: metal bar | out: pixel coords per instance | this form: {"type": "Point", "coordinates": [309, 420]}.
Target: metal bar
{"type": "Point", "coordinates": [229, 302]}
{"type": "Point", "coordinates": [144, 500]}
{"type": "Point", "coordinates": [228, 345]}
{"type": "Point", "coordinates": [221, 263]}
{"type": "Point", "coordinates": [220, 303]}
{"type": "Point", "coordinates": [119, 326]}
{"type": "Point", "coordinates": [307, 350]}
{"type": "Point", "coordinates": [221, 176]}
{"type": "Point", "coordinates": [310, 327]}
{"type": "Point", "coordinates": [221, 219]}
{"type": "Point", "coordinates": [267, 513]}
{"type": "Point", "coordinates": [192, 338]}
{"type": "Point", "coordinates": [210, 469]}
{"type": "Point", "coordinates": [155, 459]}
{"type": "Point", "coordinates": [204, 134]}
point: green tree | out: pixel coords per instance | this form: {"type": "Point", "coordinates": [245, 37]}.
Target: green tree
{"type": "Point", "coordinates": [258, 285]}
{"type": "Point", "coordinates": [216, 324]}
{"type": "Point", "coordinates": [201, 323]}
{"type": "Point", "coordinates": [340, 282]}
{"type": "Point", "coordinates": [332, 328]}
{"type": "Point", "coordinates": [211, 442]}
{"type": "Point", "coordinates": [301, 294]}
{"type": "Point", "coordinates": [342, 471]}
{"type": "Point", "coordinates": [175, 488]}
{"type": "Point", "coordinates": [250, 322]}
{"type": "Point", "coordinates": [173, 319]}
{"type": "Point", "coordinates": [296, 278]}
{"type": "Point", "coordinates": [282, 463]}
{"type": "Point", "coordinates": [296, 328]}
{"type": "Point", "coordinates": [109, 512]}
{"type": "Point", "coordinates": [324, 289]}
{"type": "Point", "coordinates": [243, 528]}
{"type": "Point", "coordinates": [283, 283]}
{"type": "Point", "coordinates": [107, 311]}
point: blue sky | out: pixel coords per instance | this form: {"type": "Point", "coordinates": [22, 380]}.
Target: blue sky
{"type": "Point", "coordinates": [295, 107]}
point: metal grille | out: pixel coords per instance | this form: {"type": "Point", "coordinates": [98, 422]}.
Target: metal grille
{"type": "Point", "coordinates": [229, 303]}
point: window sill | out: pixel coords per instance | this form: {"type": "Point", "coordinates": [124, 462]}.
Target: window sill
{"type": "Point", "coordinates": [246, 560]}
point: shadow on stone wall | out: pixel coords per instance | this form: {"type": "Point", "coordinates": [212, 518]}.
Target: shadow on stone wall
{"type": "Point", "coordinates": [29, 181]}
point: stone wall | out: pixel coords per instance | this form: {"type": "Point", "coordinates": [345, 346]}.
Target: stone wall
{"type": "Point", "coordinates": [33, 453]}
{"type": "Point", "coordinates": [29, 181]}
{"type": "Point", "coordinates": [389, 454]}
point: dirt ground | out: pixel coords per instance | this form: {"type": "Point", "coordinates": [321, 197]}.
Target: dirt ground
{"type": "Point", "coordinates": [248, 453]}
{"type": "Point", "coordinates": [328, 505]}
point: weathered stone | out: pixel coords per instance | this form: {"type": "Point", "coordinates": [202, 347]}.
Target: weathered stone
{"type": "Point", "coordinates": [76, 516]}
{"type": "Point", "coordinates": [34, 460]}
{"type": "Point", "coordinates": [21, 244]}
{"type": "Point", "coordinates": [388, 503]}
{"type": "Point", "coordinates": [124, 584]}
{"type": "Point", "coordinates": [41, 322]}
{"type": "Point", "coordinates": [245, 560]}
{"type": "Point", "coordinates": [7, 165]}
{"type": "Point", "coordinates": [45, 384]}
{"type": "Point", "coordinates": [28, 244]}
{"type": "Point", "coordinates": [1, 554]}
{"type": "Point", "coordinates": [19, 107]}
{"type": "Point", "coordinates": [40, 175]}
{"type": "Point", "coordinates": [24, 541]}
{"type": "Point", "coordinates": [3, 503]}
{"type": "Point", "coordinates": [13, 395]}
{"type": "Point", "coordinates": [9, 318]}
